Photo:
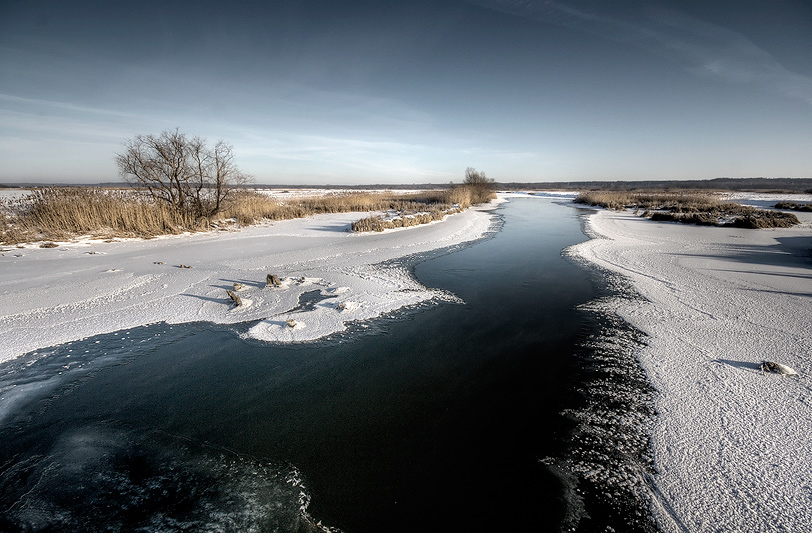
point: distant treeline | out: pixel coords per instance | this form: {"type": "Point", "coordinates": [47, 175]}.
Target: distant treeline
{"type": "Point", "coordinates": [797, 185]}
{"type": "Point", "coordinates": [275, 186]}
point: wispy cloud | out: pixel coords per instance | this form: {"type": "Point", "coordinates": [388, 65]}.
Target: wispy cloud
{"type": "Point", "coordinates": [35, 103]}
{"type": "Point", "coordinates": [703, 48]}
{"type": "Point", "coordinates": [22, 117]}
{"type": "Point", "coordinates": [715, 51]}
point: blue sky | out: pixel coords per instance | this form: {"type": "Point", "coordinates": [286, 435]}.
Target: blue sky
{"type": "Point", "coordinates": [316, 92]}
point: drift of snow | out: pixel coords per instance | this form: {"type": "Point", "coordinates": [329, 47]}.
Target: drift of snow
{"type": "Point", "coordinates": [731, 443]}
{"type": "Point", "coordinates": [57, 295]}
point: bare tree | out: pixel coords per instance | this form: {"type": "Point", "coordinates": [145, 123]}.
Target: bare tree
{"type": "Point", "coordinates": [476, 178]}
{"type": "Point", "coordinates": [181, 171]}
{"type": "Point", "coordinates": [480, 186]}
{"type": "Point", "coordinates": [224, 176]}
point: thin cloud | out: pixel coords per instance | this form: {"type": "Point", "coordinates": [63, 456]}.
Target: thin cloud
{"type": "Point", "coordinates": [716, 51]}
{"type": "Point", "coordinates": [703, 48]}
{"type": "Point", "coordinates": [44, 104]}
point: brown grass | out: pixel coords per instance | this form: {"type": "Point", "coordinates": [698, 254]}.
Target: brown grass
{"type": "Point", "coordinates": [63, 213]}
{"type": "Point", "coordinates": [690, 208]}
{"type": "Point", "coordinates": [430, 207]}
{"type": "Point", "coordinates": [794, 206]}
{"type": "Point", "coordinates": [59, 214]}
{"type": "Point", "coordinates": [249, 207]}
{"type": "Point", "coordinates": [402, 220]}
{"type": "Point", "coordinates": [688, 200]}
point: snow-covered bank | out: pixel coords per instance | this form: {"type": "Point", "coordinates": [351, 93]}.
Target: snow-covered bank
{"type": "Point", "coordinates": [52, 296]}
{"type": "Point", "coordinates": [731, 444]}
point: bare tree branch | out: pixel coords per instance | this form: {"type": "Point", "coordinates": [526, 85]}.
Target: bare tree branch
{"type": "Point", "coordinates": [181, 171]}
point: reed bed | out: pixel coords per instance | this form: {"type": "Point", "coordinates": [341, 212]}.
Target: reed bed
{"type": "Point", "coordinates": [413, 211]}
{"type": "Point", "coordinates": [249, 207]}
{"type": "Point", "coordinates": [402, 220]}
{"type": "Point", "coordinates": [685, 201]}
{"type": "Point", "coordinates": [689, 207]}
{"type": "Point", "coordinates": [794, 206]}
{"type": "Point", "coordinates": [63, 213]}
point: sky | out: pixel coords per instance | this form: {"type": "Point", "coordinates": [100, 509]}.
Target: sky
{"type": "Point", "coordinates": [384, 92]}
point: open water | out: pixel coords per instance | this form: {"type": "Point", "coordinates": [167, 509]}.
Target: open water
{"type": "Point", "coordinates": [448, 417]}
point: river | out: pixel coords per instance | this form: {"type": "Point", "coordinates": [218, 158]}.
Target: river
{"type": "Point", "coordinates": [446, 417]}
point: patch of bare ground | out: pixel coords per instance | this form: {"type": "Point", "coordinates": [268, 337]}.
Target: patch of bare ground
{"type": "Point", "coordinates": [689, 207]}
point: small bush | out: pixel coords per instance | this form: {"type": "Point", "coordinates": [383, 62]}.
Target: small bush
{"type": "Point", "coordinates": [479, 188]}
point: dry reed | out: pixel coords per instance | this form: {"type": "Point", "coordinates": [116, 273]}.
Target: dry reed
{"type": "Point", "coordinates": [62, 213]}
{"type": "Point", "coordinates": [690, 208]}
{"type": "Point", "coordinates": [402, 220]}
{"type": "Point", "coordinates": [794, 206]}
{"type": "Point", "coordinates": [686, 200]}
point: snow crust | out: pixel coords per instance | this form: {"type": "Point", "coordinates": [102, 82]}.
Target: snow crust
{"type": "Point", "coordinates": [731, 444]}
{"type": "Point", "coordinates": [57, 295]}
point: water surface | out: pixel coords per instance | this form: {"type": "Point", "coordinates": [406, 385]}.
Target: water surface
{"type": "Point", "coordinates": [435, 418]}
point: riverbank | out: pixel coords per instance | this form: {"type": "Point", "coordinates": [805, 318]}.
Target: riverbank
{"type": "Point", "coordinates": [76, 290]}
{"type": "Point", "coordinates": [730, 443]}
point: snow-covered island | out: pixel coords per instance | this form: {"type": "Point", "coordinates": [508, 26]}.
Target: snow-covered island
{"type": "Point", "coordinates": [731, 444]}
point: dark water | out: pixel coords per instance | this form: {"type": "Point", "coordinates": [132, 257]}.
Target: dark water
{"type": "Point", "coordinates": [441, 418]}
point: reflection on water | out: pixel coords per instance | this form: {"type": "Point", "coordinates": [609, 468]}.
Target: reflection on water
{"type": "Point", "coordinates": [435, 418]}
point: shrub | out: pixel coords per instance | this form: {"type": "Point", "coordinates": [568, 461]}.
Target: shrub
{"type": "Point", "coordinates": [478, 187]}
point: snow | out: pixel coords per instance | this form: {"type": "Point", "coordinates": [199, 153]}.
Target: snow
{"type": "Point", "coordinates": [13, 194]}
{"type": "Point", "coordinates": [764, 200]}
{"type": "Point", "coordinates": [731, 443]}
{"type": "Point", "coordinates": [52, 296]}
